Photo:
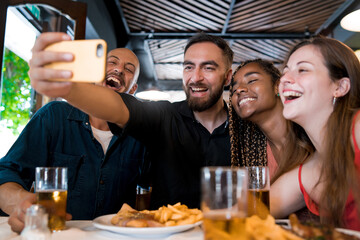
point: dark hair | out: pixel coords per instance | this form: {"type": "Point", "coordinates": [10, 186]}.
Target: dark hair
{"type": "Point", "coordinates": [248, 142]}
{"type": "Point", "coordinates": [338, 172]}
{"type": "Point", "coordinates": [218, 41]}
{"type": "Point", "coordinates": [267, 66]}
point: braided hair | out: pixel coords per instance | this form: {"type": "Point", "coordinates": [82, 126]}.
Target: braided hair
{"type": "Point", "coordinates": [248, 142]}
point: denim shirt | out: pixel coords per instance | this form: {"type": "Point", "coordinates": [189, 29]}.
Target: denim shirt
{"type": "Point", "coordinates": [60, 135]}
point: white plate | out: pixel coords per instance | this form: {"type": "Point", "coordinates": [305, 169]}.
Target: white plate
{"type": "Point", "coordinates": [103, 222]}
{"type": "Point", "coordinates": [349, 232]}
{"type": "Point", "coordinates": [286, 224]}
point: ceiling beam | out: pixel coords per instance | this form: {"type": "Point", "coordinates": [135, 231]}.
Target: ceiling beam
{"type": "Point", "coordinates": [180, 35]}
{"type": "Point", "coordinates": [228, 17]}
{"type": "Point", "coordinates": [328, 26]}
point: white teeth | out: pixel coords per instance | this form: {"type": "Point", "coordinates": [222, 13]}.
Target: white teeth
{"type": "Point", "coordinates": [198, 89]}
{"type": "Point", "coordinates": [113, 79]}
{"type": "Point", "coordinates": [245, 100]}
{"type": "Point", "coordinates": [292, 94]}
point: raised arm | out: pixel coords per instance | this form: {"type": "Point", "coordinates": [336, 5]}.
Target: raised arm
{"type": "Point", "coordinates": [95, 100]}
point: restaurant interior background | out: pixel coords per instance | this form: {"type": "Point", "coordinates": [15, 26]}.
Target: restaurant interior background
{"type": "Point", "coordinates": [157, 31]}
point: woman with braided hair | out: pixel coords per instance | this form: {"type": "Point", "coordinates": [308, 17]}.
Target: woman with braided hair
{"type": "Point", "coordinates": [257, 126]}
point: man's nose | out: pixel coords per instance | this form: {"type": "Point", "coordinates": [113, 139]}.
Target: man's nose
{"type": "Point", "coordinates": [197, 75]}
{"type": "Point", "coordinates": [119, 69]}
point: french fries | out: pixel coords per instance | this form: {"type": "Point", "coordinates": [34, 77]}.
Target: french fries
{"type": "Point", "coordinates": [170, 215]}
{"type": "Point", "coordinates": [177, 214]}
{"type": "Point", "coordinates": [267, 229]}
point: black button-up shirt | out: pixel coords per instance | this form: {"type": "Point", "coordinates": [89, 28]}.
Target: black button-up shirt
{"type": "Point", "coordinates": [178, 146]}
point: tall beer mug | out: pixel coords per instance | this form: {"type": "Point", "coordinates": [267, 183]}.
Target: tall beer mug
{"type": "Point", "coordinates": [224, 202]}
{"type": "Point", "coordinates": [51, 192]}
{"type": "Point", "coordinates": [259, 191]}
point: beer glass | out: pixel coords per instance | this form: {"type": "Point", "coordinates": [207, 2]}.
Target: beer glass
{"type": "Point", "coordinates": [223, 202]}
{"type": "Point", "coordinates": [51, 192]}
{"type": "Point", "coordinates": [258, 191]}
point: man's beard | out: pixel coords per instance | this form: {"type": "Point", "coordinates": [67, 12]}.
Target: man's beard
{"type": "Point", "coordinates": [199, 104]}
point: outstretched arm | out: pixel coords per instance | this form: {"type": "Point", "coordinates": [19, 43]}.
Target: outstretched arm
{"type": "Point", "coordinates": [285, 195]}
{"type": "Point", "coordinates": [95, 100]}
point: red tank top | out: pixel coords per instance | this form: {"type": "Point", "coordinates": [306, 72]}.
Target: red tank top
{"type": "Point", "coordinates": [350, 217]}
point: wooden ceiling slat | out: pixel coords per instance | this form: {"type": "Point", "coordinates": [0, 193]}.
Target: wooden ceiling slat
{"type": "Point", "coordinates": [240, 13]}
{"type": "Point", "coordinates": [186, 19]}
{"type": "Point", "coordinates": [223, 4]}
{"type": "Point", "coordinates": [246, 6]}
{"type": "Point", "coordinates": [242, 49]}
{"type": "Point", "coordinates": [197, 6]}
{"type": "Point", "coordinates": [160, 17]}
{"type": "Point", "coordinates": [164, 21]}
{"type": "Point", "coordinates": [177, 10]}
{"type": "Point", "coordinates": [167, 16]}
{"type": "Point", "coordinates": [273, 16]}
{"type": "Point", "coordinates": [283, 20]}
{"type": "Point", "coordinates": [170, 50]}
{"type": "Point", "coordinates": [165, 56]}
{"type": "Point", "coordinates": [311, 23]}
{"type": "Point", "coordinates": [159, 26]}
{"type": "Point", "coordinates": [267, 49]}
{"type": "Point", "coordinates": [281, 44]}
{"type": "Point", "coordinates": [274, 47]}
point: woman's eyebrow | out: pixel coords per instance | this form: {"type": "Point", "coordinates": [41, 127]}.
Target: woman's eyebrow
{"type": "Point", "coordinates": [250, 73]}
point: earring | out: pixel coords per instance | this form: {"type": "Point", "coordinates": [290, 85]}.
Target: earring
{"type": "Point", "coordinates": [334, 100]}
{"type": "Point", "coordinates": [278, 94]}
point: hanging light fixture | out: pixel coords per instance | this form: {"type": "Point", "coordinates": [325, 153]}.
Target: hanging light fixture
{"type": "Point", "coordinates": [351, 21]}
{"type": "Point", "coordinates": [153, 94]}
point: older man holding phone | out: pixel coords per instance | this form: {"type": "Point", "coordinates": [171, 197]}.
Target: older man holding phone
{"type": "Point", "coordinates": [180, 137]}
{"type": "Point", "coordinates": [103, 169]}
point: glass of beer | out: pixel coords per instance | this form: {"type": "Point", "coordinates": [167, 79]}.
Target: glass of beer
{"type": "Point", "coordinates": [51, 192]}
{"type": "Point", "coordinates": [258, 191]}
{"type": "Point", "coordinates": [223, 202]}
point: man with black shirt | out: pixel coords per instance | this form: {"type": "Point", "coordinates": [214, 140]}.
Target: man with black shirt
{"type": "Point", "coordinates": [180, 137]}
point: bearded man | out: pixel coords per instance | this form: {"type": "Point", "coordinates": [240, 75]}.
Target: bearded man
{"type": "Point", "coordinates": [180, 137]}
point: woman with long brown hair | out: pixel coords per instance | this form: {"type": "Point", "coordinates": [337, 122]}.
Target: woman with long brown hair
{"type": "Point", "coordinates": [320, 90]}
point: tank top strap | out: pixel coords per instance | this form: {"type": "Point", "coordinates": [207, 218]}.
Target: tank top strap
{"type": "Point", "coordinates": [310, 204]}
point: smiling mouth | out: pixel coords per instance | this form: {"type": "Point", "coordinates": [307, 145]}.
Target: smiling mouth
{"type": "Point", "coordinates": [113, 82]}
{"type": "Point", "coordinates": [246, 100]}
{"type": "Point", "coordinates": [198, 89]}
{"type": "Point", "coordinates": [291, 95]}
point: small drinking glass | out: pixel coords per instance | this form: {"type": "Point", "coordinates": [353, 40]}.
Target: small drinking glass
{"type": "Point", "coordinates": [258, 191]}
{"type": "Point", "coordinates": [224, 202]}
{"type": "Point", "coordinates": [51, 192]}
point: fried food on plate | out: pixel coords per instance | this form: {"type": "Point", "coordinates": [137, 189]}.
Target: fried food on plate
{"type": "Point", "coordinates": [267, 229]}
{"type": "Point", "coordinates": [316, 231]}
{"type": "Point", "coordinates": [170, 215]}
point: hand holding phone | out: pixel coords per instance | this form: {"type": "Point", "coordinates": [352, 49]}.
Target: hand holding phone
{"type": "Point", "coordinates": [89, 63]}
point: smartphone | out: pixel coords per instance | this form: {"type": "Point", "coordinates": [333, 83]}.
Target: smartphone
{"type": "Point", "coordinates": [89, 63]}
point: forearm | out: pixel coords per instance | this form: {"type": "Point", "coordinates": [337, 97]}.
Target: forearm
{"type": "Point", "coordinates": [11, 194]}
{"type": "Point", "coordinates": [100, 102]}
{"type": "Point", "coordinates": [285, 195]}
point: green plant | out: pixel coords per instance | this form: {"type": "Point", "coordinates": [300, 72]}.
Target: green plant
{"type": "Point", "coordinates": [16, 92]}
